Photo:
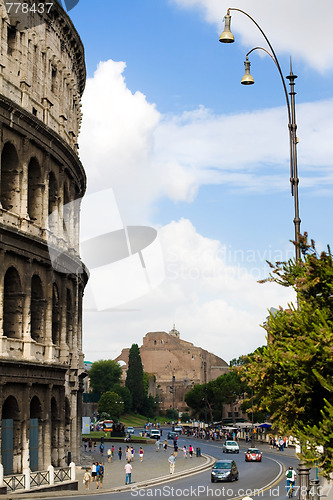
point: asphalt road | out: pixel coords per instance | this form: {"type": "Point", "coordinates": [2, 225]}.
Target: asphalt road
{"type": "Point", "coordinates": [261, 480]}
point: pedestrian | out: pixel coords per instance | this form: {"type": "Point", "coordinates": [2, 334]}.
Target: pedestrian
{"type": "Point", "coordinates": [141, 453]}
{"type": "Point", "coordinates": [132, 451]}
{"type": "Point", "coordinates": [157, 445]}
{"type": "Point", "coordinates": [175, 449]}
{"type": "Point", "coordinates": [85, 444]}
{"type": "Point", "coordinates": [128, 454]}
{"type": "Point", "coordinates": [120, 452]}
{"type": "Point", "coordinates": [112, 451]}
{"type": "Point", "coordinates": [185, 451]}
{"type": "Point", "coordinates": [165, 444]}
{"type": "Point", "coordinates": [101, 448]}
{"type": "Point", "coordinates": [95, 444]}
{"type": "Point", "coordinates": [100, 475]}
{"type": "Point", "coordinates": [190, 450]}
{"type": "Point", "coordinates": [172, 461]}
{"type": "Point", "coordinates": [93, 471]}
{"type": "Point", "coordinates": [128, 471]}
{"type": "Point", "coordinates": [109, 455]}
{"type": "Point", "coordinates": [90, 444]}
{"type": "Point", "coordinates": [87, 479]}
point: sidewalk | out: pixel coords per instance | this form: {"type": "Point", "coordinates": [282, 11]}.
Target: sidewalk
{"type": "Point", "coordinates": [154, 466]}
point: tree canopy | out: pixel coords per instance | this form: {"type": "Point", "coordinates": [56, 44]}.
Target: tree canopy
{"type": "Point", "coordinates": [293, 376]}
{"type": "Point", "coordinates": [111, 404]}
{"type": "Point", "coordinates": [103, 375]}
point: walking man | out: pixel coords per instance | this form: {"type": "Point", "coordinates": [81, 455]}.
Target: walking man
{"type": "Point", "coordinates": [172, 461]}
{"type": "Point", "coordinates": [128, 470]}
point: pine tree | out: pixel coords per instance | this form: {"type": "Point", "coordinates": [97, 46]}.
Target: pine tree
{"type": "Point", "coordinates": [134, 379]}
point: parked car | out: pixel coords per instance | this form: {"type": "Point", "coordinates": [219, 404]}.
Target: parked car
{"type": "Point", "coordinates": [155, 434]}
{"type": "Point", "coordinates": [130, 430]}
{"type": "Point", "coordinates": [224, 470]}
{"type": "Point", "coordinates": [230, 447]}
{"type": "Point", "coordinates": [253, 455]}
{"type": "Point", "coordinates": [178, 429]}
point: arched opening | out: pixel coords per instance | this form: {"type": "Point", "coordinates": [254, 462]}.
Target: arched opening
{"type": "Point", "coordinates": [10, 185]}
{"type": "Point", "coordinates": [10, 434]}
{"type": "Point", "coordinates": [37, 309]}
{"type": "Point", "coordinates": [67, 425]}
{"type": "Point", "coordinates": [34, 191]}
{"type": "Point", "coordinates": [53, 212]}
{"type": "Point", "coordinates": [55, 315]}
{"type": "Point", "coordinates": [12, 304]}
{"type": "Point", "coordinates": [34, 433]}
{"type": "Point", "coordinates": [69, 318]}
{"type": "Point", "coordinates": [54, 433]}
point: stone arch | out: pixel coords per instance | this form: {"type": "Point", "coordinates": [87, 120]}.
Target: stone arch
{"type": "Point", "coordinates": [34, 191]}
{"type": "Point", "coordinates": [54, 432]}
{"type": "Point", "coordinates": [67, 423]}
{"type": "Point", "coordinates": [69, 317]}
{"type": "Point", "coordinates": [11, 436]}
{"type": "Point", "coordinates": [12, 304]}
{"type": "Point", "coordinates": [37, 309]}
{"type": "Point", "coordinates": [55, 315]}
{"type": "Point", "coordinates": [35, 434]}
{"type": "Point", "coordinates": [10, 179]}
{"type": "Point", "coordinates": [53, 204]}
{"type": "Point", "coordinates": [68, 210]}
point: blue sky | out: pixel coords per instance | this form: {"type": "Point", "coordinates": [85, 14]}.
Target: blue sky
{"type": "Point", "coordinates": [186, 149]}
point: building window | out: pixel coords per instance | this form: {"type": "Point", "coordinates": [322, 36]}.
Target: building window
{"type": "Point", "coordinates": [11, 40]}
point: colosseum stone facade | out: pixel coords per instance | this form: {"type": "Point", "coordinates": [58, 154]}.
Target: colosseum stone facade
{"type": "Point", "coordinates": [42, 78]}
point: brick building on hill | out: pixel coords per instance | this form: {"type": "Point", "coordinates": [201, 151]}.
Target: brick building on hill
{"type": "Point", "coordinates": [166, 355]}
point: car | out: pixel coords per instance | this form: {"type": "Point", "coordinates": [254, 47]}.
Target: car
{"type": "Point", "coordinates": [253, 455]}
{"type": "Point", "coordinates": [230, 447]}
{"type": "Point", "coordinates": [224, 470]}
{"type": "Point", "coordinates": [172, 435]}
{"type": "Point", "coordinates": [130, 430]}
{"type": "Point", "coordinates": [178, 429]}
{"type": "Point", "coordinates": [155, 434]}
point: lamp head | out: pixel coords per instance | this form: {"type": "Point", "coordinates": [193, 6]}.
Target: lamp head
{"type": "Point", "coordinates": [247, 78]}
{"type": "Point", "coordinates": [227, 36]}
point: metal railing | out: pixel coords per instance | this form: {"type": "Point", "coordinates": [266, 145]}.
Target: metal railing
{"type": "Point", "coordinates": [15, 482]}
{"type": "Point", "coordinates": [33, 480]}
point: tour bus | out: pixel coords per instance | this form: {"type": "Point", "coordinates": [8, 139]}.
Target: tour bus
{"type": "Point", "coordinates": [107, 425]}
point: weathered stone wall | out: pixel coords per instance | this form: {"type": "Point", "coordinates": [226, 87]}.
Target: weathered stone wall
{"type": "Point", "coordinates": [42, 278]}
{"type": "Point", "coordinates": [165, 355]}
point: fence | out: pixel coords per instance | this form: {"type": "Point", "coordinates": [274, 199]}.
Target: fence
{"type": "Point", "coordinates": [32, 480]}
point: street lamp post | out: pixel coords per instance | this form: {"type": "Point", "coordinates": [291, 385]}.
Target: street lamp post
{"type": "Point", "coordinates": [228, 37]}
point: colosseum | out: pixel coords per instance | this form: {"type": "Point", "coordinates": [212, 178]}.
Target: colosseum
{"type": "Point", "coordinates": [42, 78]}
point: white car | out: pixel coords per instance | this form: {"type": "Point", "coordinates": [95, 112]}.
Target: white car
{"type": "Point", "coordinates": [178, 428]}
{"type": "Point", "coordinates": [155, 434]}
{"type": "Point", "coordinates": [130, 430]}
{"type": "Point", "coordinates": [230, 447]}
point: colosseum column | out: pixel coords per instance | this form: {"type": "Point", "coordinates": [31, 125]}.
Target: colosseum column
{"type": "Point", "coordinates": [24, 178]}
{"type": "Point", "coordinates": [49, 347]}
{"type": "Point", "coordinates": [63, 326]}
{"type": "Point", "coordinates": [45, 192]}
{"type": "Point", "coordinates": [46, 423]}
{"type": "Point", "coordinates": [61, 434]}
{"type": "Point", "coordinates": [26, 427]}
{"type": "Point", "coordinates": [3, 340]}
{"type": "Point", "coordinates": [26, 316]}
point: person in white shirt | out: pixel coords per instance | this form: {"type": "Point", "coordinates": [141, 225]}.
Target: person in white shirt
{"type": "Point", "coordinates": [128, 470]}
{"type": "Point", "coordinates": [172, 461]}
{"type": "Point", "coordinates": [291, 477]}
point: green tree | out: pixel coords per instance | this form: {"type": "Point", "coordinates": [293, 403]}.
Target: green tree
{"type": "Point", "coordinates": [104, 374]}
{"type": "Point", "coordinates": [134, 378]}
{"type": "Point", "coordinates": [125, 396]}
{"type": "Point", "coordinates": [293, 376]}
{"type": "Point", "coordinates": [111, 404]}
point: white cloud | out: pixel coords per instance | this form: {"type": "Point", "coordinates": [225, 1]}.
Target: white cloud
{"type": "Point", "coordinates": [300, 28]}
{"type": "Point", "coordinates": [127, 145]}
{"type": "Point", "coordinates": [215, 303]}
